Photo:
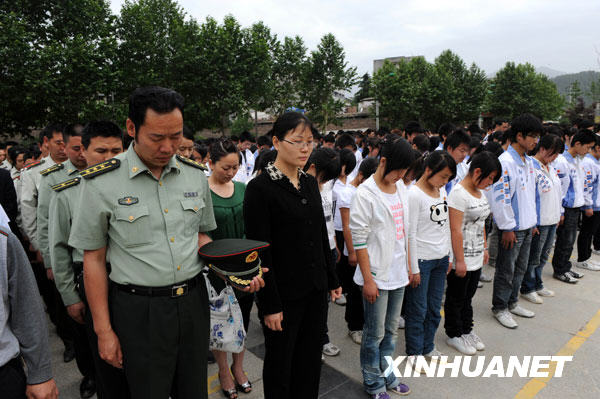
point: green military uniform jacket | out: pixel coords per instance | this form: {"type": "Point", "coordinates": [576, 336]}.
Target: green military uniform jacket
{"type": "Point", "coordinates": [50, 176]}
{"type": "Point", "coordinates": [149, 225]}
{"type": "Point", "coordinates": [63, 203]}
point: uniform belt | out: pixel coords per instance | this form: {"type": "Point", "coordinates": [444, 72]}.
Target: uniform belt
{"type": "Point", "coordinates": [174, 291]}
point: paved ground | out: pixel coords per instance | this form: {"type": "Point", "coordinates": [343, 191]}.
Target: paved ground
{"type": "Point", "coordinates": [566, 325]}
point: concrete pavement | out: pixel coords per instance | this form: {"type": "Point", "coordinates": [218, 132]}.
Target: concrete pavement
{"type": "Point", "coordinates": [565, 324]}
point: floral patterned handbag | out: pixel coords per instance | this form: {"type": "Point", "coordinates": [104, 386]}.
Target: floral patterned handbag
{"type": "Point", "coordinates": [227, 332]}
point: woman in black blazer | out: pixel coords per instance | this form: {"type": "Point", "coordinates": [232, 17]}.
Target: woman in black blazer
{"type": "Point", "coordinates": [283, 207]}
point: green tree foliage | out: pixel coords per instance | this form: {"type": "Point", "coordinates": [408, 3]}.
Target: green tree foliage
{"type": "Point", "coordinates": [289, 61]}
{"type": "Point", "coordinates": [56, 61]}
{"type": "Point", "coordinates": [517, 89]}
{"type": "Point", "coordinates": [364, 88]}
{"type": "Point", "coordinates": [431, 93]}
{"type": "Point", "coordinates": [326, 73]}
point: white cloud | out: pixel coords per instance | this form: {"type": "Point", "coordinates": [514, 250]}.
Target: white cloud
{"type": "Point", "coordinates": [558, 34]}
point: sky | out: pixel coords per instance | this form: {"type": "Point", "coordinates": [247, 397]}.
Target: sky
{"type": "Point", "coordinates": [559, 34]}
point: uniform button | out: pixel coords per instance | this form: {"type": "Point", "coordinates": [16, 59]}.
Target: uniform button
{"type": "Point", "coordinates": [172, 239]}
{"type": "Point", "coordinates": [134, 169]}
{"type": "Point", "coordinates": [304, 201]}
{"type": "Point", "coordinates": [131, 218]}
{"type": "Point", "coordinates": [159, 183]}
{"type": "Point", "coordinates": [166, 210]}
{"type": "Point", "coordinates": [195, 209]}
{"type": "Point", "coordinates": [178, 267]}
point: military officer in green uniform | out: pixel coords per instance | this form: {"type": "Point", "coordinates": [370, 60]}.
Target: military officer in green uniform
{"type": "Point", "coordinates": [101, 141]}
{"type": "Point", "coordinates": [151, 210]}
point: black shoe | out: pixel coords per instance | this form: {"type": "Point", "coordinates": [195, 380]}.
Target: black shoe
{"type": "Point", "coordinates": [69, 353]}
{"type": "Point", "coordinates": [87, 388]}
{"type": "Point", "coordinates": [573, 273]}
{"type": "Point", "coordinates": [211, 358]}
{"type": "Point", "coordinates": [566, 277]}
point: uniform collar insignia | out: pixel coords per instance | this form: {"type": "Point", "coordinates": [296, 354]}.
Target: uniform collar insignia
{"type": "Point", "coordinates": [128, 200]}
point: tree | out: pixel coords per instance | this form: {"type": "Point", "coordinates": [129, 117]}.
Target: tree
{"type": "Point", "coordinates": [445, 91]}
{"type": "Point", "coordinates": [575, 93]}
{"type": "Point", "coordinates": [56, 62]}
{"type": "Point", "coordinates": [288, 65]}
{"type": "Point", "coordinates": [325, 74]}
{"type": "Point", "coordinates": [594, 91]}
{"type": "Point", "coordinates": [258, 51]}
{"type": "Point", "coordinates": [517, 89]}
{"type": "Point", "coordinates": [364, 88]}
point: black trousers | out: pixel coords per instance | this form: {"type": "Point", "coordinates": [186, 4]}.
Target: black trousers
{"type": "Point", "coordinates": [565, 239]}
{"type": "Point", "coordinates": [54, 304]}
{"type": "Point", "coordinates": [354, 312]}
{"type": "Point", "coordinates": [12, 380]}
{"type": "Point", "coordinates": [110, 381]}
{"type": "Point", "coordinates": [589, 226]}
{"type": "Point", "coordinates": [292, 364]}
{"type": "Point", "coordinates": [164, 342]}
{"type": "Point", "coordinates": [458, 310]}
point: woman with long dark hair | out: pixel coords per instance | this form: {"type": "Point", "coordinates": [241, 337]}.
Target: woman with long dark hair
{"type": "Point", "coordinates": [283, 207]}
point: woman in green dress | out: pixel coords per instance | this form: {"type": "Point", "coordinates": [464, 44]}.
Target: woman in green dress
{"type": "Point", "coordinates": [228, 203]}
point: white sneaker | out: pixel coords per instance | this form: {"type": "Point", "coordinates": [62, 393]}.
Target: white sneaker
{"type": "Point", "coordinates": [505, 318]}
{"type": "Point", "coordinates": [461, 345]}
{"type": "Point", "coordinates": [474, 341]}
{"type": "Point", "coordinates": [533, 297]}
{"type": "Point", "coordinates": [589, 265]}
{"type": "Point", "coordinates": [479, 284]}
{"type": "Point", "coordinates": [519, 311]}
{"type": "Point", "coordinates": [356, 336]}
{"type": "Point", "coordinates": [596, 251]}
{"type": "Point", "coordinates": [438, 356]}
{"type": "Point", "coordinates": [401, 323]}
{"type": "Point", "coordinates": [545, 292]}
{"type": "Point", "coordinates": [485, 278]}
{"type": "Point", "coordinates": [341, 300]}
{"type": "Point", "coordinates": [331, 350]}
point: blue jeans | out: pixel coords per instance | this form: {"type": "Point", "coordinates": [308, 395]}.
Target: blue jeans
{"type": "Point", "coordinates": [423, 304]}
{"type": "Point", "coordinates": [511, 266]}
{"type": "Point", "coordinates": [539, 252]}
{"type": "Point", "coordinates": [380, 333]}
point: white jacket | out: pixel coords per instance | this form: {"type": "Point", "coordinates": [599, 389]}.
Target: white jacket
{"type": "Point", "coordinates": [513, 196]}
{"type": "Point", "coordinates": [373, 227]}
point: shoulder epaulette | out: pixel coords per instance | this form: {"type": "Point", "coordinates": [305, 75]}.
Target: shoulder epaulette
{"type": "Point", "coordinates": [100, 168]}
{"type": "Point", "coordinates": [31, 165]}
{"type": "Point", "coordinates": [190, 162]}
{"type": "Point", "coordinates": [66, 184]}
{"type": "Point", "coordinates": [53, 168]}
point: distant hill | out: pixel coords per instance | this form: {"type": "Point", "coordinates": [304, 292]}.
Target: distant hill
{"type": "Point", "coordinates": [584, 78]}
{"type": "Point", "coordinates": [551, 73]}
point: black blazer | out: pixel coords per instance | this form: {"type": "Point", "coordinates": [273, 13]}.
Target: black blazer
{"type": "Point", "coordinates": [8, 200]}
{"type": "Point", "coordinates": [299, 258]}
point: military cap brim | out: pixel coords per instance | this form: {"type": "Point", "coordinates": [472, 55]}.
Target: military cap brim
{"type": "Point", "coordinates": [236, 260]}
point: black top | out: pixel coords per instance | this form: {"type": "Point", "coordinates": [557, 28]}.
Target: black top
{"type": "Point", "coordinates": [292, 221]}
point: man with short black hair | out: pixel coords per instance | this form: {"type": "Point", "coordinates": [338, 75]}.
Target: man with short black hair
{"type": "Point", "coordinates": [186, 148]}
{"type": "Point", "coordinates": [101, 141]}
{"type": "Point", "coordinates": [571, 172]}
{"type": "Point", "coordinates": [411, 129]}
{"type": "Point", "coordinates": [151, 210]}
{"type": "Point", "coordinates": [244, 173]}
{"type": "Point", "coordinates": [514, 210]}
{"type": "Point", "coordinates": [458, 145]}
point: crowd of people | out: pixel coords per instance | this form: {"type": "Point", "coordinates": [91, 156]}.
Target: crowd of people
{"type": "Point", "coordinates": [393, 225]}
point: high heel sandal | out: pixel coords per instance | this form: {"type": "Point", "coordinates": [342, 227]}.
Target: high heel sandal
{"type": "Point", "coordinates": [246, 387]}
{"type": "Point", "coordinates": [231, 393]}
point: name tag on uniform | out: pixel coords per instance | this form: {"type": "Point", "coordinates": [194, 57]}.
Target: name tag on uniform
{"type": "Point", "coordinates": [128, 200]}
{"type": "Point", "coordinates": [190, 194]}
